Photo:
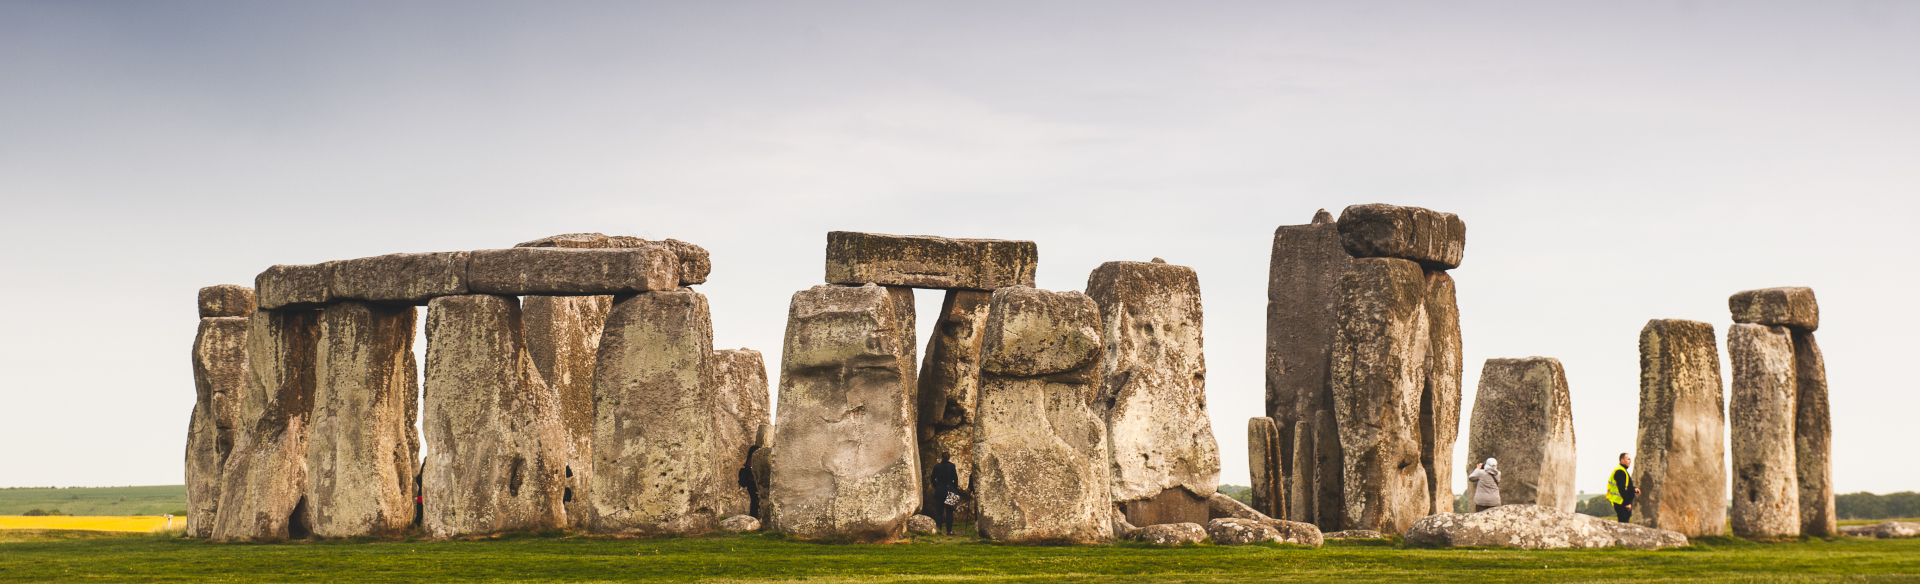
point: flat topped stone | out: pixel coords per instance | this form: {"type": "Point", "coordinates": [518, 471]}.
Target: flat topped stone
{"type": "Point", "coordinates": [695, 264]}
{"type": "Point", "coordinates": [293, 286]}
{"type": "Point", "coordinates": [1790, 307]}
{"type": "Point", "coordinates": [1436, 240]}
{"type": "Point", "coordinates": [226, 300]}
{"type": "Point", "coordinates": [547, 271]}
{"type": "Point", "coordinates": [400, 278]}
{"type": "Point", "coordinates": [924, 261]}
{"type": "Point", "coordinates": [1533, 527]}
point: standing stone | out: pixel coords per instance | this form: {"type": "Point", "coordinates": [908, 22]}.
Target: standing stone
{"type": "Point", "coordinates": [362, 451]}
{"type": "Point", "coordinates": [1440, 404]}
{"type": "Point", "coordinates": [1813, 438]}
{"type": "Point", "coordinates": [1681, 467]}
{"type": "Point", "coordinates": [1042, 473]}
{"type": "Point", "coordinates": [657, 464]}
{"type": "Point", "coordinates": [264, 485]}
{"type": "Point", "coordinates": [950, 378]}
{"type": "Point", "coordinates": [1766, 490]}
{"type": "Point", "coordinates": [220, 373]}
{"type": "Point", "coordinates": [1436, 240]}
{"type": "Point", "coordinates": [1329, 488]}
{"type": "Point", "coordinates": [1523, 416]}
{"type": "Point", "coordinates": [1300, 505]}
{"type": "Point", "coordinates": [1302, 294]}
{"type": "Point", "coordinates": [1154, 391]}
{"type": "Point", "coordinates": [739, 381]}
{"type": "Point", "coordinates": [844, 455]}
{"type": "Point", "coordinates": [1263, 466]}
{"type": "Point", "coordinates": [563, 333]}
{"type": "Point", "coordinates": [1379, 375]}
{"type": "Point", "coordinates": [496, 453]}
{"type": "Point", "coordinates": [923, 261]}
{"type": "Point", "coordinates": [762, 461]}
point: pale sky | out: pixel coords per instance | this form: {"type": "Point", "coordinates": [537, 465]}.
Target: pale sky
{"type": "Point", "coordinates": [1614, 161]}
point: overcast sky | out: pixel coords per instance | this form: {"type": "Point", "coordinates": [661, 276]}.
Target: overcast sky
{"type": "Point", "coordinates": [1614, 162]}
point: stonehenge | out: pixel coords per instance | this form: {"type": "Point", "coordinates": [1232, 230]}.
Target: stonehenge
{"type": "Point", "coordinates": [1523, 417]}
{"type": "Point", "coordinates": [1680, 468]}
{"type": "Point", "coordinates": [659, 464]}
{"type": "Point", "coordinates": [1782, 434]}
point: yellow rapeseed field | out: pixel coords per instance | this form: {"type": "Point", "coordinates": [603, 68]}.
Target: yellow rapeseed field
{"type": "Point", "coordinates": [88, 523]}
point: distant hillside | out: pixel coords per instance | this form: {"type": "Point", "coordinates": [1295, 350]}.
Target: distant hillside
{"type": "Point", "coordinates": [108, 501]}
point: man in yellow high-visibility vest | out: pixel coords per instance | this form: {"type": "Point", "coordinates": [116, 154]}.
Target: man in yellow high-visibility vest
{"type": "Point", "coordinates": [1620, 489]}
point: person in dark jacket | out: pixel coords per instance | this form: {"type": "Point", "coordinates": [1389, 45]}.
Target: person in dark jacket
{"type": "Point", "coordinates": [748, 482]}
{"type": "Point", "coordinates": [946, 490]}
{"type": "Point", "coordinates": [1620, 489]}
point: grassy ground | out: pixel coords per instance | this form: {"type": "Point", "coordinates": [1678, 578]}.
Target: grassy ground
{"type": "Point", "coordinates": [55, 556]}
{"type": "Point", "coordinates": [96, 501]}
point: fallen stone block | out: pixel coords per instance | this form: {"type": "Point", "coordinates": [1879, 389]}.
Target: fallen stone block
{"type": "Point", "coordinates": [1533, 527]}
{"type": "Point", "coordinates": [1813, 438]}
{"type": "Point", "coordinates": [1681, 466]}
{"type": "Point", "coordinates": [264, 484]}
{"type": "Point", "coordinates": [1154, 392]}
{"type": "Point", "coordinates": [1766, 490]}
{"type": "Point", "coordinates": [362, 449]}
{"type": "Point", "coordinates": [922, 524]}
{"type": "Point", "coordinates": [1896, 530]}
{"type": "Point", "coordinates": [496, 450]}
{"type": "Point", "coordinates": [658, 468]}
{"type": "Point", "coordinates": [545, 271]}
{"type": "Point", "coordinates": [1436, 240]}
{"type": "Point", "coordinates": [226, 300]}
{"type": "Point", "coordinates": [220, 377]}
{"type": "Point", "coordinates": [1240, 532]}
{"type": "Point", "coordinates": [1171, 534]}
{"type": "Point", "coordinates": [1379, 374]}
{"type": "Point", "coordinates": [1788, 307]}
{"type": "Point", "coordinates": [1523, 416]}
{"type": "Point", "coordinates": [740, 523]}
{"type": "Point", "coordinates": [845, 460]}
{"type": "Point", "coordinates": [1302, 293]}
{"type": "Point", "coordinates": [402, 278]}
{"type": "Point", "coordinates": [293, 286]}
{"type": "Point", "coordinates": [1041, 469]}
{"type": "Point", "coordinates": [1356, 534]}
{"type": "Point", "coordinates": [922, 261]}
{"type": "Point", "coordinates": [739, 381]}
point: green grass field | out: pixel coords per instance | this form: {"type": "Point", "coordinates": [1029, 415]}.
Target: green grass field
{"type": "Point", "coordinates": [47, 557]}
{"type": "Point", "coordinates": [96, 501]}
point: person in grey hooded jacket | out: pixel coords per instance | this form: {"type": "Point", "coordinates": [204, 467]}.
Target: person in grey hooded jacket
{"type": "Point", "coordinates": [1486, 491]}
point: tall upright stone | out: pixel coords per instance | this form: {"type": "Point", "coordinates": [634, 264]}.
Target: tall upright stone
{"type": "Point", "coordinates": [949, 391]}
{"type": "Point", "coordinates": [657, 460]}
{"type": "Point", "coordinates": [1329, 487]}
{"type": "Point", "coordinates": [1766, 489]}
{"type": "Point", "coordinates": [220, 372]}
{"type": "Point", "coordinates": [1300, 498]}
{"type": "Point", "coordinates": [1813, 438]}
{"type": "Point", "coordinates": [1379, 370]}
{"type": "Point", "coordinates": [362, 451]}
{"type": "Point", "coordinates": [1263, 467]}
{"type": "Point", "coordinates": [1154, 392]}
{"type": "Point", "coordinates": [1440, 402]}
{"type": "Point", "coordinates": [563, 334]}
{"type": "Point", "coordinates": [845, 461]}
{"type": "Point", "coordinates": [1302, 291]}
{"type": "Point", "coordinates": [496, 451]}
{"type": "Point", "coordinates": [1042, 473]}
{"type": "Point", "coordinates": [739, 381]}
{"type": "Point", "coordinates": [264, 484]}
{"type": "Point", "coordinates": [1681, 467]}
{"type": "Point", "coordinates": [1523, 416]}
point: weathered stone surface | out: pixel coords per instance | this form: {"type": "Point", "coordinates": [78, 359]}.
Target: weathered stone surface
{"type": "Point", "coordinates": [293, 286]}
{"type": "Point", "coordinates": [1681, 466]}
{"type": "Point", "coordinates": [400, 278]}
{"type": "Point", "coordinates": [1379, 377]}
{"type": "Point", "coordinates": [1154, 391]}
{"type": "Point", "coordinates": [1240, 532]}
{"type": "Point", "coordinates": [1857, 530]}
{"type": "Point", "coordinates": [1171, 534]}
{"type": "Point", "coordinates": [563, 335]}
{"type": "Point", "coordinates": [1788, 307]}
{"type": "Point", "coordinates": [1267, 484]}
{"type": "Point", "coordinates": [226, 300]}
{"type": "Point", "coordinates": [1297, 533]}
{"type": "Point", "coordinates": [1329, 488]}
{"type": "Point", "coordinates": [1440, 404]}
{"type": "Point", "coordinates": [1356, 534]}
{"type": "Point", "coordinates": [264, 484]}
{"type": "Point", "coordinates": [693, 260]}
{"type": "Point", "coordinates": [739, 381]}
{"type": "Point", "coordinates": [362, 450]}
{"type": "Point", "coordinates": [740, 523]}
{"type": "Point", "coordinates": [1766, 489]}
{"type": "Point", "coordinates": [1536, 527]}
{"type": "Point", "coordinates": [1041, 470]}
{"type": "Point", "coordinates": [657, 461]}
{"type": "Point", "coordinates": [1302, 293]}
{"type": "Point", "coordinates": [1220, 506]}
{"type": "Point", "coordinates": [1122, 530]}
{"type": "Point", "coordinates": [922, 524]}
{"type": "Point", "coordinates": [1175, 505]}
{"type": "Point", "coordinates": [496, 450]}
{"type": "Point", "coordinates": [1523, 416]}
{"type": "Point", "coordinates": [844, 456]}
{"type": "Point", "coordinates": [546, 271]}
{"type": "Point", "coordinates": [1813, 438]}
{"type": "Point", "coordinates": [923, 261]}
{"type": "Point", "coordinates": [950, 377]}
{"type": "Point", "coordinates": [1896, 530]}
{"type": "Point", "coordinates": [1300, 502]}
{"type": "Point", "coordinates": [1436, 240]}
{"type": "Point", "coordinates": [220, 376]}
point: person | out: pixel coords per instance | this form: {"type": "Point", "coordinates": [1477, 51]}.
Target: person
{"type": "Point", "coordinates": [1620, 489]}
{"type": "Point", "coordinates": [749, 482]}
{"type": "Point", "coordinates": [946, 491]}
{"type": "Point", "coordinates": [1486, 492]}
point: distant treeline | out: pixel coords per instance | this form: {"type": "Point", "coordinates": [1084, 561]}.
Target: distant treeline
{"type": "Point", "coordinates": [1870, 506]}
